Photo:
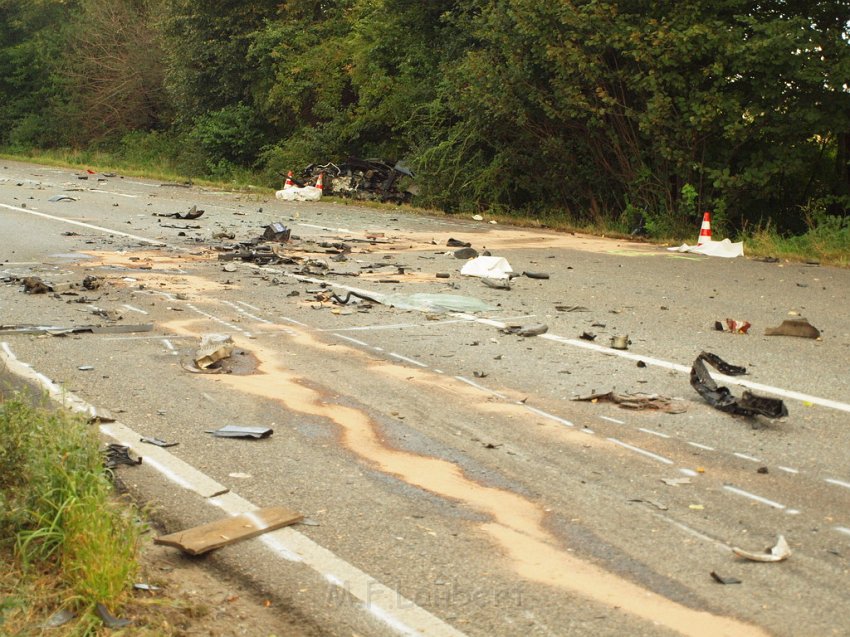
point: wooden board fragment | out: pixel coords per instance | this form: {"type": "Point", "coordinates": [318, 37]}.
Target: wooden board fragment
{"type": "Point", "coordinates": [208, 537]}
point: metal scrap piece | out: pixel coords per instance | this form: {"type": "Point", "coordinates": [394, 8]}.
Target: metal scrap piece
{"type": "Point", "coordinates": [722, 398]}
{"type": "Point", "coordinates": [116, 454]}
{"type": "Point", "coordinates": [109, 620]}
{"type": "Point", "coordinates": [780, 551]}
{"type": "Point", "coordinates": [638, 401]}
{"type": "Point", "coordinates": [794, 327]}
{"type": "Point", "coordinates": [236, 431]}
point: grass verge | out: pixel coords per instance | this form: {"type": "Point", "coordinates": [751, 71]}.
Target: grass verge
{"type": "Point", "coordinates": [67, 542]}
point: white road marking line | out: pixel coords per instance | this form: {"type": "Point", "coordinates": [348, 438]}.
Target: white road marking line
{"type": "Point", "coordinates": [588, 431]}
{"type": "Point", "coordinates": [133, 308]}
{"type": "Point", "coordinates": [792, 512]}
{"type": "Point", "coordinates": [699, 446]}
{"type": "Point", "coordinates": [842, 529]}
{"type": "Point", "coordinates": [838, 483]}
{"type": "Point", "coordinates": [653, 433]}
{"type": "Point", "coordinates": [83, 225]}
{"type": "Point", "coordinates": [439, 371]}
{"type": "Point", "coordinates": [169, 345]}
{"type": "Point", "coordinates": [688, 472]}
{"type": "Point", "coordinates": [109, 192]}
{"type": "Point", "coordinates": [744, 456]}
{"type": "Point", "coordinates": [248, 305]}
{"type": "Point", "coordinates": [545, 414]}
{"type": "Point", "coordinates": [472, 383]}
{"type": "Point", "coordinates": [753, 496]}
{"type": "Point", "coordinates": [248, 314]}
{"type": "Point", "coordinates": [643, 452]}
{"type": "Point", "coordinates": [310, 225]}
{"type": "Point", "coordinates": [294, 322]}
{"type": "Point", "coordinates": [141, 183]}
{"type": "Point", "coordinates": [614, 420]}
{"type": "Point", "coordinates": [788, 470]}
{"type": "Point", "coordinates": [694, 532]}
{"type": "Point", "coordinates": [401, 614]}
{"type": "Point", "coordinates": [407, 360]}
{"type": "Point", "coordinates": [353, 340]}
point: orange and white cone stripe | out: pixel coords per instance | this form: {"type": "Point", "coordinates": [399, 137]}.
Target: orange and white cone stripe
{"type": "Point", "coordinates": [705, 229]}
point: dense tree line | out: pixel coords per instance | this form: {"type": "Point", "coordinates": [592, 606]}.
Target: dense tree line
{"type": "Point", "coordinates": [604, 110]}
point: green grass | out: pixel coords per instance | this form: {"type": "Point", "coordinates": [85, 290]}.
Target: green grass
{"type": "Point", "coordinates": [69, 543]}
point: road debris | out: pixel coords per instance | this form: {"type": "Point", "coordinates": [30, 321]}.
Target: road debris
{"type": "Point", "coordinates": [536, 275]}
{"type": "Point", "coordinates": [620, 342]}
{"type": "Point", "coordinates": [59, 618]}
{"type": "Point", "coordinates": [213, 348]}
{"type": "Point", "coordinates": [572, 308]}
{"type": "Point", "coordinates": [722, 398]}
{"type": "Point", "coordinates": [365, 179]}
{"type": "Point", "coordinates": [277, 232]}
{"type": "Point", "coordinates": [34, 285]}
{"type": "Point", "coordinates": [497, 284]}
{"type": "Point", "coordinates": [236, 431]}
{"type": "Point", "coordinates": [675, 482]}
{"type": "Point", "coordinates": [638, 401]}
{"type": "Point", "coordinates": [193, 213]}
{"type": "Point", "coordinates": [721, 579]}
{"type": "Point", "coordinates": [487, 267]}
{"type": "Point", "coordinates": [62, 198]}
{"type": "Point", "coordinates": [534, 329]}
{"type": "Point", "coordinates": [116, 454]}
{"type": "Point", "coordinates": [54, 330]}
{"type": "Point", "coordinates": [587, 336]}
{"type": "Point", "coordinates": [141, 586]}
{"type": "Point", "coordinates": [157, 441]}
{"type": "Point", "coordinates": [794, 327]}
{"type": "Point", "coordinates": [456, 243]}
{"type": "Point", "coordinates": [435, 302]}
{"type": "Point", "coordinates": [226, 531]}
{"type": "Point", "coordinates": [465, 253]}
{"type": "Point", "coordinates": [736, 326]}
{"type": "Point", "coordinates": [109, 620]}
{"type": "Point", "coordinates": [780, 551]}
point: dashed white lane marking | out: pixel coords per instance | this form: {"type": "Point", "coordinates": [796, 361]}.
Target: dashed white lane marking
{"type": "Point", "coordinates": [744, 456]}
{"type": "Point", "coordinates": [472, 383]}
{"type": "Point", "coordinates": [546, 414]}
{"type": "Point", "coordinates": [753, 496]}
{"type": "Point", "coordinates": [249, 306]}
{"type": "Point", "coordinates": [169, 345]}
{"type": "Point", "coordinates": [218, 320]}
{"type": "Point", "coordinates": [653, 433]}
{"type": "Point", "coordinates": [642, 452]}
{"type": "Point", "coordinates": [133, 308]}
{"type": "Point", "coordinates": [691, 531]}
{"type": "Point", "coordinates": [699, 446]}
{"type": "Point", "coordinates": [838, 483]}
{"type": "Point", "coordinates": [614, 420]}
{"type": "Point", "coordinates": [401, 615]}
{"type": "Point", "coordinates": [141, 183]}
{"type": "Point", "coordinates": [109, 192]}
{"type": "Point", "coordinates": [406, 359]}
{"type": "Point", "coordinates": [82, 224]}
{"type": "Point", "coordinates": [842, 529]}
{"type": "Point", "coordinates": [253, 317]}
{"type": "Point", "coordinates": [294, 322]}
{"type": "Point", "coordinates": [688, 472]}
{"type": "Point", "coordinates": [788, 470]}
{"type": "Point", "coordinates": [353, 340]}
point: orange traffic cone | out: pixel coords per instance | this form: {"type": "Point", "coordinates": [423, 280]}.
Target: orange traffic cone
{"type": "Point", "coordinates": [319, 182]}
{"type": "Point", "coordinates": [705, 229]}
{"type": "Point", "coordinates": [288, 183]}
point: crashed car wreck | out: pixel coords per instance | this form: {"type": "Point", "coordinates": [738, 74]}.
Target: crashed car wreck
{"type": "Point", "coordinates": [364, 179]}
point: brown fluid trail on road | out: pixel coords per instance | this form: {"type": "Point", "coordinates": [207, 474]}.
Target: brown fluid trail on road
{"type": "Point", "coordinates": [517, 523]}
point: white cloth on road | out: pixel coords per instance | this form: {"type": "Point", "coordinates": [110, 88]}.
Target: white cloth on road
{"type": "Point", "coordinates": [723, 248]}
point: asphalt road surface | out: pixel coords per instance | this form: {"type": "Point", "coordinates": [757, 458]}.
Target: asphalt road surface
{"type": "Point", "coordinates": [451, 485]}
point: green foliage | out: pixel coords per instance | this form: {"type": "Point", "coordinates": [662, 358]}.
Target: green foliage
{"type": "Point", "coordinates": [58, 507]}
{"type": "Point", "coordinates": [591, 110]}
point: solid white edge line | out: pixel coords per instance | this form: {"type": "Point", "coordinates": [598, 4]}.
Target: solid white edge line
{"type": "Point", "coordinates": [84, 225]}
{"type": "Point", "coordinates": [753, 496]}
{"type": "Point", "coordinates": [744, 456]}
{"type": "Point", "coordinates": [400, 614]}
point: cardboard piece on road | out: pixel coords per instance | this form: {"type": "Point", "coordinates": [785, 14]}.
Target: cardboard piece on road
{"type": "Point", "coordinates": [207, 537]}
